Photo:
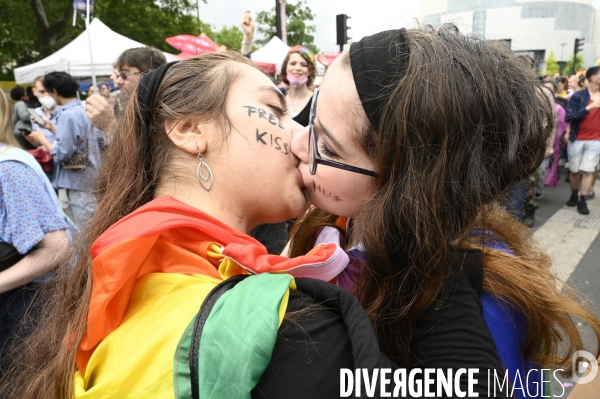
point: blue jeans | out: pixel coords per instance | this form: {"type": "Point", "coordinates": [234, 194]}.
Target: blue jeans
{"type": "Point", "coordinates": [515, 200]}
{"type": "Point", "coordinates": [82, 206]}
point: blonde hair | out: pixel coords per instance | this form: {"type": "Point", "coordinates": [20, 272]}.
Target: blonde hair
{"type": "Point", "coordinates": [6, 122]}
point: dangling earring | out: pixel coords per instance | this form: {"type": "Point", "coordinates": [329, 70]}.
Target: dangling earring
{"type": "Point", "coordinates": [207, 178]}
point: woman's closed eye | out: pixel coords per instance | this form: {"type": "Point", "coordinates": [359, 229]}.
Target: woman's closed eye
{"type": "Point", "coordinates": [280, 111]}
{"type": "Point", "coordinates": [325, 151]}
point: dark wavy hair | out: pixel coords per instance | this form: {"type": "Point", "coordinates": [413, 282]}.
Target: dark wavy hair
{"type": "Point", "coordinates": [65, 85]}
{"type": "Point", "coordinates": [450, 144]}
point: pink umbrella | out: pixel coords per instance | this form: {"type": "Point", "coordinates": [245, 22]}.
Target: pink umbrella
{"type": "Point", "coordinates": [327, 58]}
{"type": "Point", "coordinates": [193, 45]}
{"type": "Point", "coordinates": [271, 69]}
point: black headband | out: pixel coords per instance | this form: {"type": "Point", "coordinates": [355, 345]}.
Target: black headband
{"type": "Point", "coordinates": [378, 63]}
{"type": "Point", "coordinates": [147, 91]}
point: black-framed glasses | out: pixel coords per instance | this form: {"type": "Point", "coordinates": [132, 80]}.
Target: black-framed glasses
{"type": "Point", "coordinates": [124, 75]}
{"type": "Point", "coordinates": [315, 158]}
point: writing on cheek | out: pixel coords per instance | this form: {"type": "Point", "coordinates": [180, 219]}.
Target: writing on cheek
{"type": "Point", "coordinates": [318, 189]}
{"type": "Point", "coordinates": [262, 114]}
{"type": "Point", "coordinates": [269, 139]}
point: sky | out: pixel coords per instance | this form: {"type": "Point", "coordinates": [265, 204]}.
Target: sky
{"type": "Point", "coordinates": [367, 16]}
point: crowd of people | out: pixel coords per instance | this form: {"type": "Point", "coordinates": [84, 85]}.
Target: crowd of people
{"type": "Point", "coordinates": [577, 141]}
{"type": "Point", "coordinates": [208, 230]}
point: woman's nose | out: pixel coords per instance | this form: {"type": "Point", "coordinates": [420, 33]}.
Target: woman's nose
{"type": "Point", "coordinates": [300, 143]}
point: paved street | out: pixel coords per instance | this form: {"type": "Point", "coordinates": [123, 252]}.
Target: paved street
{"type": "Point", "coordinates": [574, 243]}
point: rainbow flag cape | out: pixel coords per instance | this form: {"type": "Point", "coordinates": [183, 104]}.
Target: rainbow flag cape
{"type": "Point", "coordinates": [152, 271]}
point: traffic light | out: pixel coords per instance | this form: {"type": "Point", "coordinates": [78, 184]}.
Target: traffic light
{"type": "Point", "coordinates": [578, 45]}
{"type": "Point", "coordinates": [341, 24]}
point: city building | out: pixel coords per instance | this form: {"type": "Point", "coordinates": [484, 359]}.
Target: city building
{"type": "Point", "coordinates": [531, 27]}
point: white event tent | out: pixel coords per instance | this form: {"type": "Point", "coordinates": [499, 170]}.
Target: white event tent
{"type": "Point", "coordinates": [274, 52]}
{"type": "Point", "coordinates": [74, 58]}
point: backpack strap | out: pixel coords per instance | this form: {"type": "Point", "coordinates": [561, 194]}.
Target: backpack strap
{"type": "Point", "coordinates": [207, 306]}
{"type": "Point", "coordinates": [234, 334]}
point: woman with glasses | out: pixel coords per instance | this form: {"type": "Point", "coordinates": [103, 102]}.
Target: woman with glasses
{"type": "Point", "coordinates": [405, 173]}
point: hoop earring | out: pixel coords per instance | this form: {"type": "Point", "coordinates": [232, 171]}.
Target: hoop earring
{"type": "Point", "coordinates": [207, 178]}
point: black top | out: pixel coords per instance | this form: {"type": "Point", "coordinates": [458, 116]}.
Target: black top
{"type": "Point", "coordinates": [304, 115]}
{"type": "Point", "coordinates": [273, 236]}
{"type": "Point", "coordinates": [332, 331]}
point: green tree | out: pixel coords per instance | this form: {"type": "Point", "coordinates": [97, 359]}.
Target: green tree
{"type": "Point", "coordinates": [150, 22]}
{"type": "Point", "coordinates": [31, 30]}
{"type": "Point", "coordinates": [579, 65]}
{"type": "Point", "coordinates": [299, 29]}
{"type": "Point", "coordinates": [230, 37]}
{"type": "Point", "coordinates": [551, 65]}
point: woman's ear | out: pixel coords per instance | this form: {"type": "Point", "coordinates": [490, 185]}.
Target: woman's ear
{"type": "Point", "coordinates": [188, 135]}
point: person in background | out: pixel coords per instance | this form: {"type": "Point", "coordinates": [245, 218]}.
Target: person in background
{"type": "Point", "coordinates": [104, 90]}
{"type": "Point", "coordinates": [91, 90]}
{"type": "Point", "coordinates": [33, 100]}
{"type": "Point", "coordinates": [248, 29]}
{"type": "Point", "coordinates": [516, 200]}
{"type": "Point", "coordinates": [584, 140]}
{"type": "Point", "coordinates": [130, 64]}
{"type": "Point", "coordinates": [76, 151]}
{"type": "Point", "coordinates": [48, 108]}
{"type": "Point", "coordinates": [113, 76]}
{"type": "Point", "coordinates": [549, 167]}
{"type": "Point", "coordinates": [21, 118]}
{"type": "Point", "coordinates": [582, 81]}
{"type": "Point", "coordinates": [574, 85]}
{"type": "Point", "coordinates": [33, 228]}
{"type": "Point", "coordinates": [298, 72]}
{"type": "Point", "coordinates": [554, 87]}
{"type": "Point", "coordinates": [562, 84]}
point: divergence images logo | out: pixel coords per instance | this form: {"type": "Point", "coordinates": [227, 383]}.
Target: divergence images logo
{"type": "Point", "coordinates": [583, 366]}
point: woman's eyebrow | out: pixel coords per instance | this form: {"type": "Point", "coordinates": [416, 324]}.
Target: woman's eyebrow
{"type": "Point", "coordinates": [330, 136]}
{"type": "Point", "coordinates": [277, 92]}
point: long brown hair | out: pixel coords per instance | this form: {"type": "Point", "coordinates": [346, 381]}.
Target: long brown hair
{"type": "Point", "coordinates": [454, 136]}
{"type": "Point", "coordinates": [136, 161]}
{"type": "Point", "coordinates": [6, 122]}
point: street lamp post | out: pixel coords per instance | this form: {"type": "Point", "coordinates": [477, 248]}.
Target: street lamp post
{"type": "Point", "coordinates": [87, 28]}
{"type": "Point", "coordinates": [280, 20]}
{"type": "Point", "coordinates": [198, 14]}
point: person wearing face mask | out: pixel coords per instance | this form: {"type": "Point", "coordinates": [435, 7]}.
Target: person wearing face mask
{"type": "Point", "coordinates": [49, 109]}
{"type": "Point", "coordinates": [298, 71]}
{"type": "Point", "coordinates": [76, 150]}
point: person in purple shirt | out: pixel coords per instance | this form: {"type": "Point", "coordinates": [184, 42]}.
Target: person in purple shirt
{"type": "Point", "coordinates": [76, 151]}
